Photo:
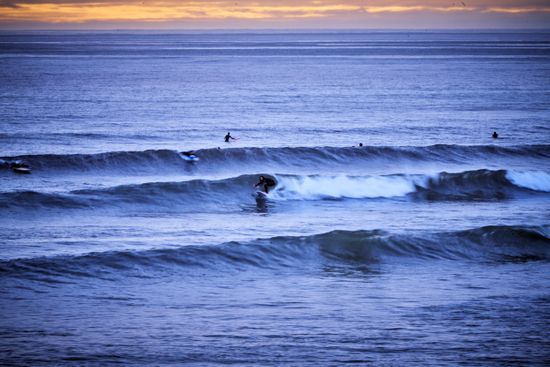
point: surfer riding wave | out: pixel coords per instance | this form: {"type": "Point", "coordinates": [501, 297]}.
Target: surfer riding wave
{"type": "Point", "coordinates": [266, 183]}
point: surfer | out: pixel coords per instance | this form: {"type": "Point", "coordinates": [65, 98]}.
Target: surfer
{"type": "Point", "coordinates": [189, 153]}
{"type": "Point", "coordinates": [495, 135]}
{"type": "Point", "coordinates": [20, 167]}
{"type": "Point", "coordinates": [228, 136]}
{"type": "Point", "coordinates": [266, 182]}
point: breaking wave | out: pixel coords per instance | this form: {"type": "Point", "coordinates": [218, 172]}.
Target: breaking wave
{"type": "Point", "coordinates": [194, 194]}
{"type": "Point", "coordinates": [534, 180]}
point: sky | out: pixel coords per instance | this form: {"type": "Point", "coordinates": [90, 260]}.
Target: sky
{"type": "Point", "coordinates": [273, 14]}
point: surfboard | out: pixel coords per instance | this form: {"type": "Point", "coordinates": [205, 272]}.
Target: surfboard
{"type": "Point", "coordinates": [189, 158]}
{"type": "Point", "coordinates": [23, 170]}
{"type": "Point", "coordinates": [261, 195]}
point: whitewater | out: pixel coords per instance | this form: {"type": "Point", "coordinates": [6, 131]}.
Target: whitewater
{"type": "Point", "coordinates": [399, 232]}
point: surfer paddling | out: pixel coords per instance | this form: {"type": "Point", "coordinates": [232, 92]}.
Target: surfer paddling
{"type": "Point", "coordinates": [19, 167]}
{"type": "Point", "coordinates": [189, 156]}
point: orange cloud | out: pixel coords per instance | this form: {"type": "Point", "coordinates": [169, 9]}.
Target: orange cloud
{"type": "Point", "coordinates": [75, 11]}
{"type": "Point", "coordinates": [397, 9]}
{"type": "Point", "coordinates": [151, 11]}
{"type": "Point", "coordinates": [517, 10]}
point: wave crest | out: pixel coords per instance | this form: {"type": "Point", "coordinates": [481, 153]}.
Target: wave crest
{"type": "Point", "coordinates": [338, 248]}
{"type": "Point", "coordinates": [149, 161]}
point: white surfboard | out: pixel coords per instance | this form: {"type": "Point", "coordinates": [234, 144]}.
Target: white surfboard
{"type": "Point", "coordinates": [23, 170]}
{"type": "Point", "coordinates": [189, 158]}
{"type": "Point", "coordinates": [261, 195]}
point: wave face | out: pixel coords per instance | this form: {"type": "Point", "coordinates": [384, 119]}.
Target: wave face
{"type": "Point", "coordinates": [150, 161]}
{"type": "Point", "coordinates": [185, 194]}
{"type": "Point", "coordinates": [138, 162]}
{"type": "Point", "coordinates": [472, 185]}
{"type": "Point", "coordinates": [345, 248]}
{"type": "Point", "coordinates": [469, 185]}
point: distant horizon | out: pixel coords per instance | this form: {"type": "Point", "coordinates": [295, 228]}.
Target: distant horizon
{"type": "Point", "coordinates": [280, 30]}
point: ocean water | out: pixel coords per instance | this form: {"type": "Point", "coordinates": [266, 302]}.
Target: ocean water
{"type": "Point", "coordinates": [428, 245]}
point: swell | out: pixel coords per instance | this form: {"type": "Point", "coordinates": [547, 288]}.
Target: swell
{"type": "Point", "coordinates": [202, 194]}
{"type": "Point", "coordinates": [338, 248]}
{"type": "Point", "coordinates": [298, 157]}
{"type": "Point", "coordinates": [128, 162]}
{"type": "Point", "coordinates": [184, 194]}
{"type": "Point", "coordinates": [483, 185]}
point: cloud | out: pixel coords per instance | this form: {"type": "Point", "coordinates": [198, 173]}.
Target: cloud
{"type": "Point", "coordinates": [8, 4]}
{"type": "Point", "coordinates": [82, 11]}
{"type": "Point", "coordinates": [159, 11]}
{"type": "Point", "coordinates": [400, 9]}
{"type": "Point", "coordinates": [517, 10]}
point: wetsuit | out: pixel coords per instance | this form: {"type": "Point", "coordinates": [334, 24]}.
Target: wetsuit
{"type": "Point", "coordinates": [227, 137]}
{"type": "Point", "coordinates": [267, 182]}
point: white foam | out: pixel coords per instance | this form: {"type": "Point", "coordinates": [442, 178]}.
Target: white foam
{"type": "Point", "coordinates": [334, 187]}
{"type": "Point", "coordinates": [534, 180]}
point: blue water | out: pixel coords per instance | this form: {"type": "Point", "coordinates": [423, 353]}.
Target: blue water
{"type": "Point", "coordinates": [427, 245]}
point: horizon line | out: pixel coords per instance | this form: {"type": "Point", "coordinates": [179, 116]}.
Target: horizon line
{"type": "Point", "coordinates": [278, 30]}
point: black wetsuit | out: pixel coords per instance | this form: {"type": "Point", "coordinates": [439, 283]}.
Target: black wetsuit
{"type": "Point", "coordinates": [267, 182]}
{"type": "Point", "coordinates": [227, 137]}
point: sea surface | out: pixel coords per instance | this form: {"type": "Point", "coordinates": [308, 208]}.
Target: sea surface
{"type": "Point", "coordinates": [399, 233]}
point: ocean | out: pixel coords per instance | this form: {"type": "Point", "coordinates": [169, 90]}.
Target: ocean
{"type": "Point", "coordinates": [400, 232]}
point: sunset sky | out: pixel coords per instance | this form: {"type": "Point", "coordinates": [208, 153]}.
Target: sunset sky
{"type": "Point", "coordinates": [235, 14]}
